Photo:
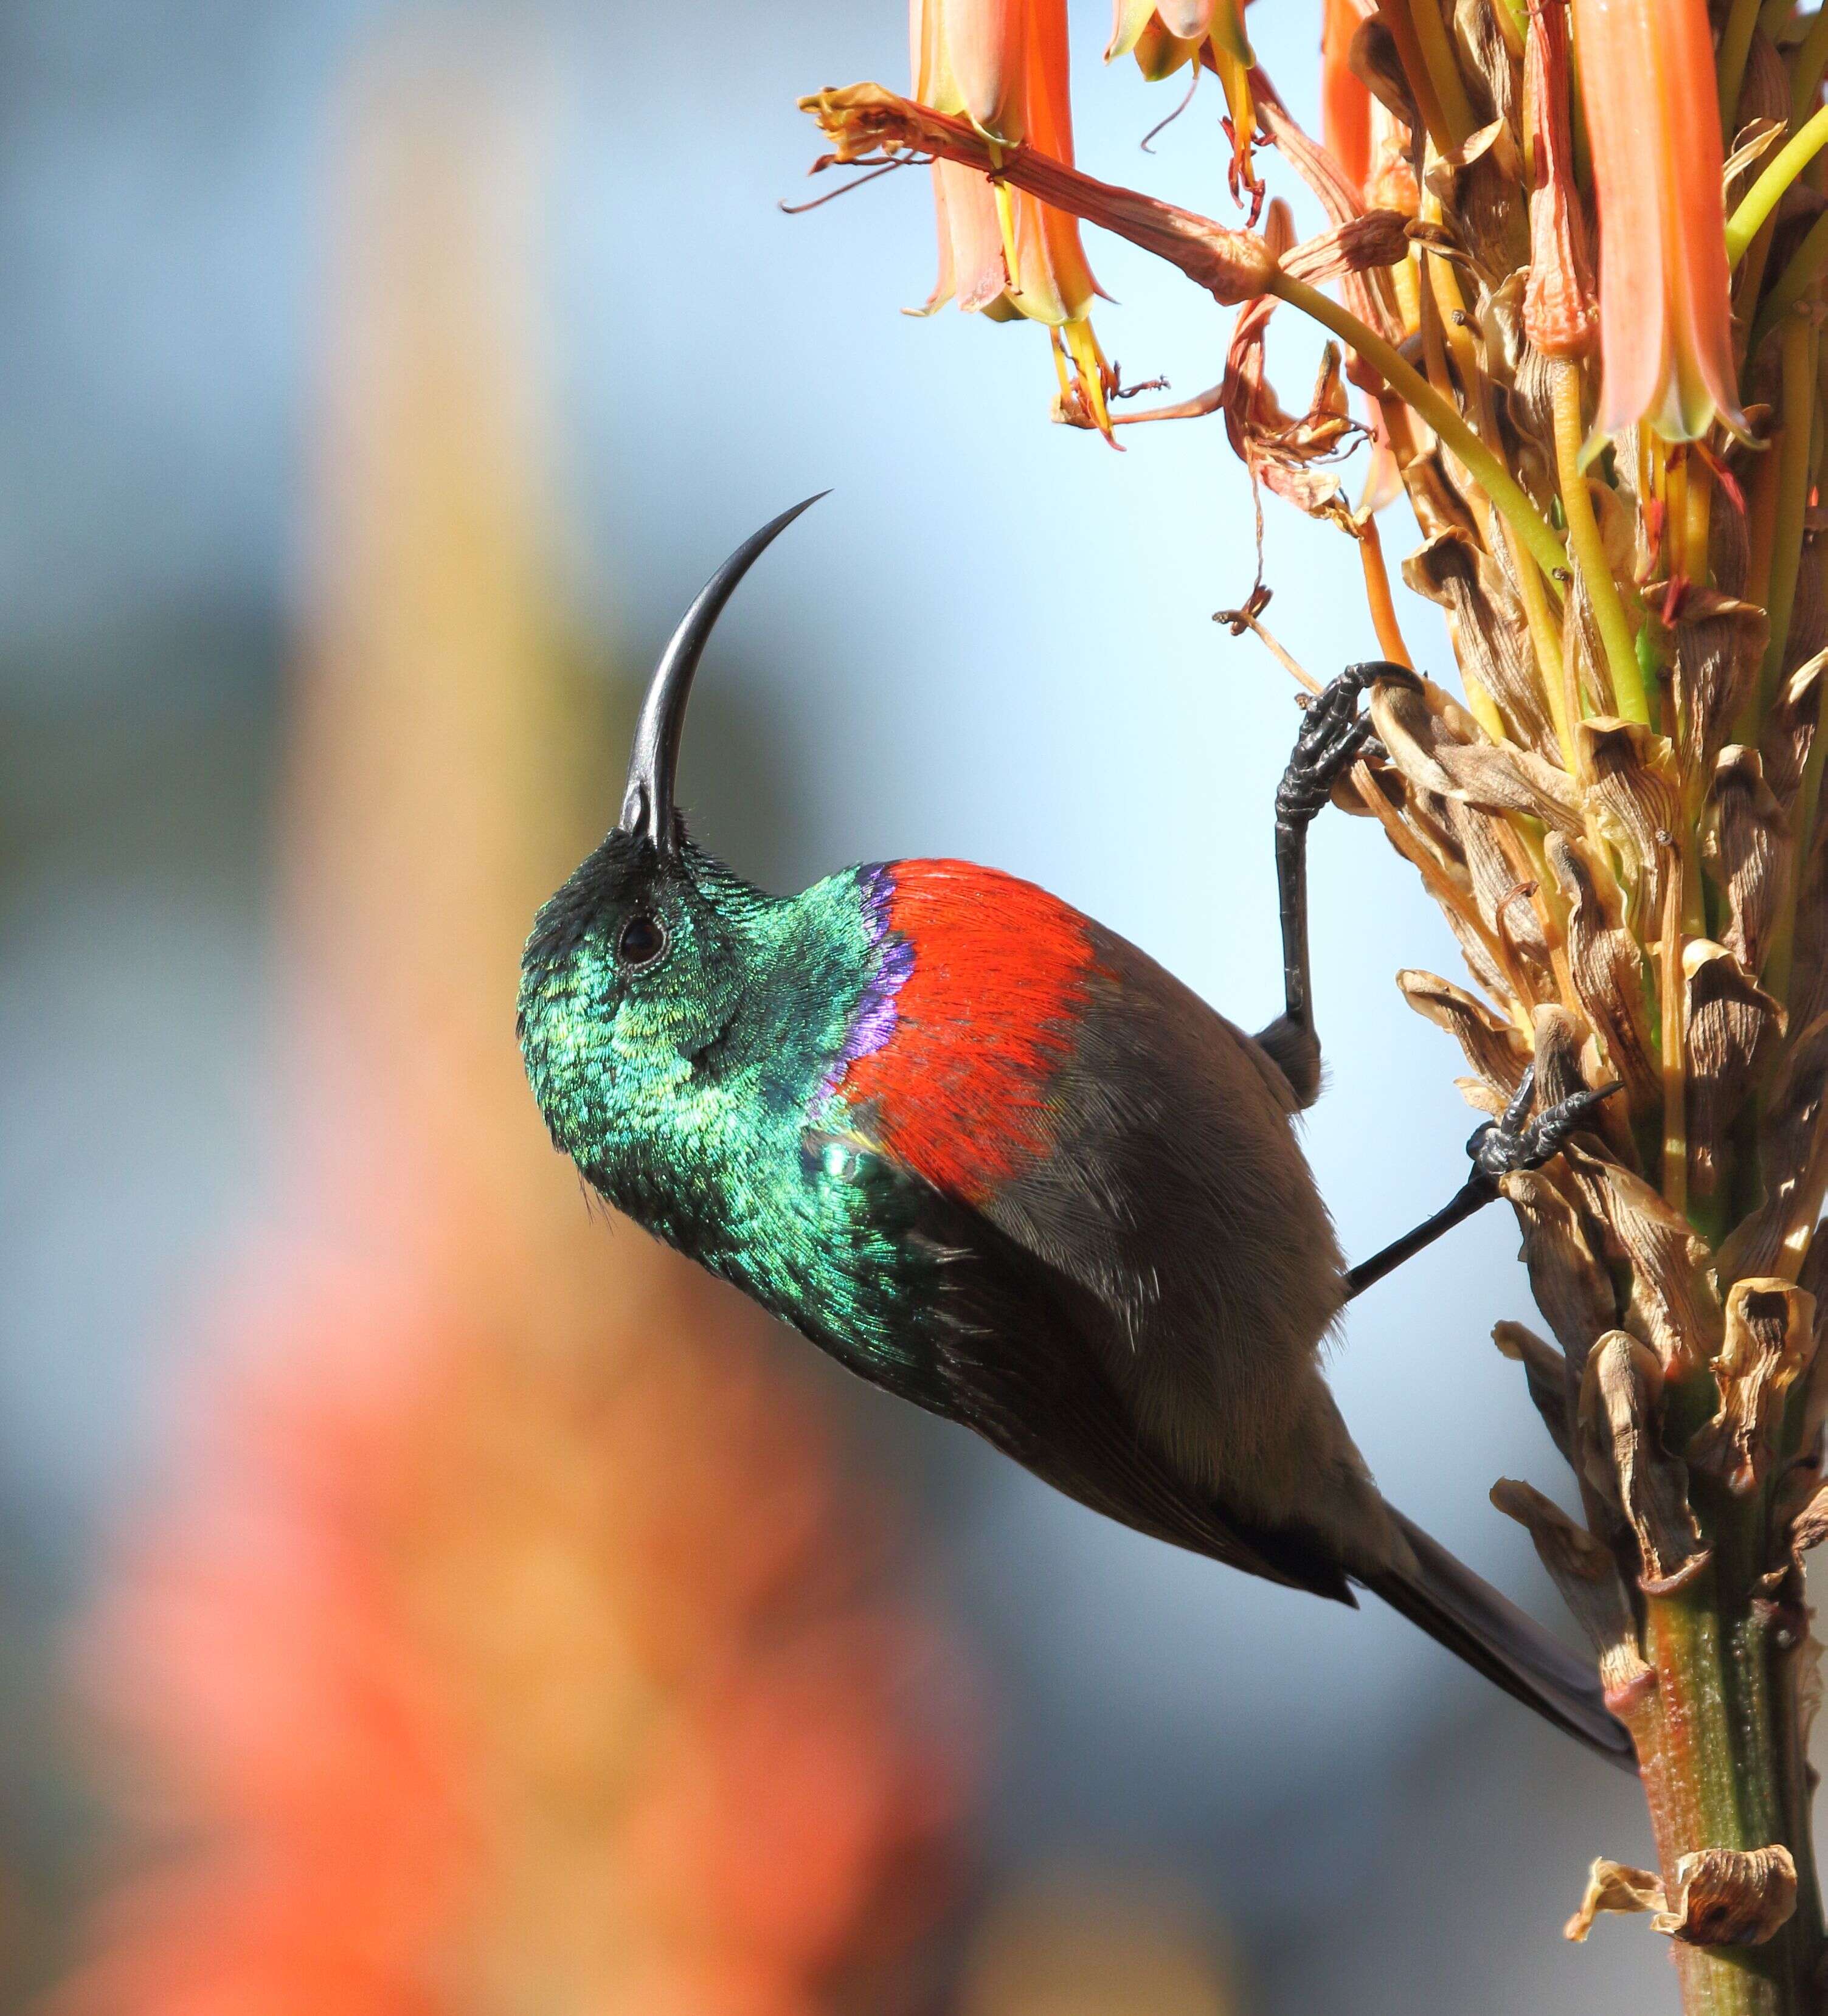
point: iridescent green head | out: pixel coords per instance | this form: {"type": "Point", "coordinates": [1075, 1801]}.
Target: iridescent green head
{"type": "Point", "coordinates": [635, 968]}
{"type": "Point", "coordinates": [669, 1011]}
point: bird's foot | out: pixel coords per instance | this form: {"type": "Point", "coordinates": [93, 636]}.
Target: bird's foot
{"type": "Point", "coordinates": [1516, 1141]}
{"type": "Point", "coordinates": [1332, 733]}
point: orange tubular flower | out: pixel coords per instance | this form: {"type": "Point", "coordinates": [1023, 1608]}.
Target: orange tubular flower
{"type": "Point", "coordinates": [1003, 65]}
{"type": "Point", "coordinates": [1345, 103]}
{"type": "Point", "coordinates": [1647, 81]}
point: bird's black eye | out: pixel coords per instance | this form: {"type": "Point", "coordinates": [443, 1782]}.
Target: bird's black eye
{"type": "Point", "coordinates": [642, 941]}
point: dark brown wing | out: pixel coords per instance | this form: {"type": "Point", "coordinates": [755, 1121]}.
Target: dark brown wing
{"type": "Point", "coordinates": [1009, 1346]}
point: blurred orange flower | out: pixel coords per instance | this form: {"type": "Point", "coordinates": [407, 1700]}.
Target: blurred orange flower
{"type": "Point", "coordinates": [1649, 88]}
{"type": "Point", "coordinates": [1004, 65]}
{"type": "Point", "coordinates": [511, 1636]}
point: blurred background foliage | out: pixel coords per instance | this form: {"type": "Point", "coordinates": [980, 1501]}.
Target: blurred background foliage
{"type": "Point", "coordinates": [418, 1594]}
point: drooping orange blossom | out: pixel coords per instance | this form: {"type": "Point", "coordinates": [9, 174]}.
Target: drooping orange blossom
{"type": "Point", "coordinates": [1648, 90]}
{"type": "Point", "coordinates": [1004, 64]}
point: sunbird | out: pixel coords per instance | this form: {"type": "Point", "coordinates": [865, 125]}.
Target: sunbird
{"type": "Point", "coordinates": [996, 1160]}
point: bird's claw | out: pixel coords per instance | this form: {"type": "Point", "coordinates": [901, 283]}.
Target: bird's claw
{"type": "Point", "coordinates": [1332, 734]}
{"type": "Point", "coordinates": [1516, 1142]}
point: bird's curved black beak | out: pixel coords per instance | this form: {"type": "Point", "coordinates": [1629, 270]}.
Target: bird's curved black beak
{"type": "Point", "coordinates": [647, 802]}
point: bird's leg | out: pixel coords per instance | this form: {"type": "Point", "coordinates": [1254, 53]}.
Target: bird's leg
{"type": "Point", "coordinates": [1332, 733]}
{"type": "Point", "coordinates": [1515, 1142]}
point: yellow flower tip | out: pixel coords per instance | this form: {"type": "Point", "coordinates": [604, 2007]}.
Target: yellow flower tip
{"type": "Point", "coordinates": [1649, 88]}
{"type": "Point", "coordinates": [1086, 380]}
{"type": "Point", "coordinates": [1131, 18]}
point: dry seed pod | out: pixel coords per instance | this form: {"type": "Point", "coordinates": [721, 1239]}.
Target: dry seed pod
{"type": "Point", "coordinates": [1621, 1393]}
{"type": "Point", "coordinates": [1526, 935]}
{"type": "Point", "coordinates": [1497, 888]}
{"type": "Point", "coordinates": [1479, 184]}
{"type": "Point", "coordinates": [1809, 1527]}
{"type": "Point", "coordinates": [1530, 407]}
{"type": "Point", "coordinates": [1480, 1096]}
{"type": "Point", "coordinates": [1808, 976]}
{"type": "Point", "coordinates": [1573, 1291]}
{"type": "Point", "coordinates": [1730, 1024]}
{"type": "Point", "coordinates": [1812, 1280]}
{"type": "Point", "coordinates": [1799, 1509]}
{"type": "Point", "coordinates": [1591, 672]}
{"type": "Point", "coordinates": [1764, 98]}
{"type": "Point", "coordinates": [1492, 778]}
{"type": "Point", "coordinates": [1769, 1342]}
{"type": "Point", "coordinates": [1568, 1062]}
{"type": "Point", "coordinates": [1427, 834]}
{"type": "Point", "coordinates": [1673, 1307]}
{"type": "Point", "coordinates": [1746, 841]}
{"type": "Point", "coordinates": [1424, 813]}
{"type": "Point", "coordinates": [1584, 1573]}
{"type": "Point", "coordinates": [1485, 965]}
{"type": "Point", "coordinates": [1808, 620]}
{"type": "Point", "coordinates": [1372, 59]}
{"type": "Point", "coordinates": [1631, 782]}
{"type": "Point", "coordinates": [1608, 976]}
{"type": "Point", "coordinates": [1417, 726]}
{"type": "Point", "coordinates": [1718, 643]}
{"type": "Point", "coordinates": [1440, 749]}
{"type": "Point", "coordinates": [1780, 1228]}
{"type": "Point", "coordinates": [1730, 1897]}
{"type": "Point", "coordinates": [1486, 627]}
{"type": "Point", "coordinates": [1724, 1896]}
{"type": "Point", "coordinates": [1492, 1046]}
{"type": "Point", "coordinates": [1545, 1372]}
{"type": "Point", "coordinates": [1789, 728]}
{"type": "Point", "coordinates": [1813, 1275]}
{"type": "Point", "coordinates": [1501, 330]}
{"type": "Point", "coordinates": [1614, 1886]}
{"type": "Point", "coordinates": [1440, 510]}
{"type": "Point", "coordinates": [1558, 1039]}
{"type": "Point", "coordinates": [1729, 538]}
{"type": "Point", "coordinates": [1486, 61]}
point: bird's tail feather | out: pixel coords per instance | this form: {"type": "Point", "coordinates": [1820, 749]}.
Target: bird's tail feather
{"type": "Point", "coordinates": [1470, 1618]}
